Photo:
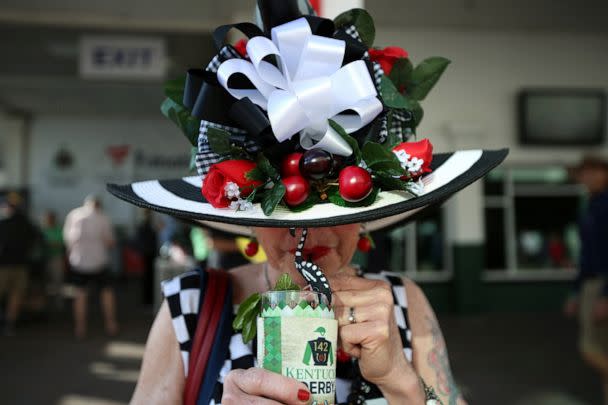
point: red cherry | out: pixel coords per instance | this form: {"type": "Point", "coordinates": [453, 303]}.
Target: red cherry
{"type": "Point", "coordinates": [354, 183]}
{"type": "Point", "coordinates": [364, 244]}
{"type": "Point", "coordinates": [296, 190]}
{"type": "Point", "coordinates": [252, 249]}
{"type": "Point", "coordinates": [291, 165]}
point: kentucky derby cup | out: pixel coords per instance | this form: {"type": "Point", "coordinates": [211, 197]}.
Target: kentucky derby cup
{"type": "Point", "coordinates": [297, 337]}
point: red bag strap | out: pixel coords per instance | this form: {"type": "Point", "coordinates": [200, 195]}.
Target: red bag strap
{"type": "Point", "coordinates": [208, 320]}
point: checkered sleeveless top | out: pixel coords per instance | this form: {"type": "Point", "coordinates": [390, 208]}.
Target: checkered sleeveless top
{"type": "Point", "coordinates": [183, 294]}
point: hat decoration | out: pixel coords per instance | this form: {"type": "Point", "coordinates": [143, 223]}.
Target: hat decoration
{"type": "Point", "coordinates": [303, 113]}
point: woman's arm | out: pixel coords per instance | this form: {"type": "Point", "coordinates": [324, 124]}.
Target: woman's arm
{"type": "Point", "coordinates": [161, 380]}
{"type": "Point", "coordinates": [430, 352]}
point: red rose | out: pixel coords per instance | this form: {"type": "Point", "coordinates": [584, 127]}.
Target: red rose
{"type": "Point", "coordinates": [223, 173]}
{"type": "Point", "coordinates": [387, 57]}
{"type": "Point", "coordinates": [415, 157]}
{"type": "Point", "coordinates": [241, 47]}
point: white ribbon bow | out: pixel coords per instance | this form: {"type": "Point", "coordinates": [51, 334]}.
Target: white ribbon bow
{"type": "Point", "coordinates": [310, 86]}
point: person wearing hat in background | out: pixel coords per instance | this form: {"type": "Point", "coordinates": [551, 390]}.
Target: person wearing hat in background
{"type": "Point", "coordinates": [17, 236]}
{"type": "Point", "coordinates": [300, 157]}
{"type": "Point", "coordinates": [590, 298]}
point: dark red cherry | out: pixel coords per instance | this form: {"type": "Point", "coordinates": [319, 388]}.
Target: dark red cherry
{"type": "Point", "coordinates": [291, 165]}
{"type": "Point", "coordinates": [316, 164]}
{"type": "Point", "coordinates": [252, 249]}
{"type": "Point", "coordinates": [354, 183]}
{"type": "Point", "coordinates": [337, 164]}
{"type": "Point", "coordinates": [296, 190]}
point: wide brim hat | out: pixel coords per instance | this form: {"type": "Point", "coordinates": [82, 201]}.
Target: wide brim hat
{"type": "Point", "coordinates": [233, 104]}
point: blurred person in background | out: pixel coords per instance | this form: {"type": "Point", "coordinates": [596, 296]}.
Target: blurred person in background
{"type": "Point", "coordinates": [17, 235]}
{"type": "Point", "coordinates": [147, 243]}
{"type": "Point", "coordinates": [89, 237]}
{"type": "Point", "coordinates": [590, 301]}
{"type": "Point", "coordinates": [55, 259]}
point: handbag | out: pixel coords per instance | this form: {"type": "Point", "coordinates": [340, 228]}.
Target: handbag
{"type": "Point", "coordinates": [211, 339]}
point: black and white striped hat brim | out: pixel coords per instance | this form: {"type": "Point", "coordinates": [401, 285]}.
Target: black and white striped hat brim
{"type": "Point", "coordinates": [182, 198]}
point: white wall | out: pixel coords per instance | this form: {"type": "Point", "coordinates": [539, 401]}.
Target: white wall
{"type": "Point", "coordinates": [163, 153]}
{"type": "Point", "coordinates": [477, 95]}
{"type": "Point", "coordinates": [12, 151]}
{"type": "Point", "coordinates": [474, 104]}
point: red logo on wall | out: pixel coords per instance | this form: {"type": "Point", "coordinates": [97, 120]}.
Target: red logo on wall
{"type": "Point", "coordinates": [118, 153]}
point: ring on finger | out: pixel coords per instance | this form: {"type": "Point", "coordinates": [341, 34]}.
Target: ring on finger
{"type": "Point", "coordinates": [351, 315]}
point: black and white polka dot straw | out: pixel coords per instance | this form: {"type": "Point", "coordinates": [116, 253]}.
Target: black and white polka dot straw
{"type": "Point", "coordinates": [312, 273]}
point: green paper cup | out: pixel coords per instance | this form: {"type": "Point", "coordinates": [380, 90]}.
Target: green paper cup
{"type": "Point", "coordinates": [297, 337]}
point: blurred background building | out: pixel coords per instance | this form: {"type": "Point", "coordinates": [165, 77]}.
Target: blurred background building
{"type": "Point", "coordinates": [81, 84]}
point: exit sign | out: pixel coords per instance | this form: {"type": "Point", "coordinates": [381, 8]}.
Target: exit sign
{"type": "Point", "coordinates": [129, 58]}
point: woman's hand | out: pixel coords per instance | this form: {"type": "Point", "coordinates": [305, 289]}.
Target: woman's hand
{"type": "Point", "coordinates": [259, 386]}
{"type": "Point", "coordinates": [374, 336]}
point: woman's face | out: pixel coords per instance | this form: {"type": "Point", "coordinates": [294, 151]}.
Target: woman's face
{"type": "Point", "coordinates": [331, 248]}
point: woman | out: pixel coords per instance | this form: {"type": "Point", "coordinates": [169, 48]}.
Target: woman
{"type": "Point", "coordinates": [305, 154]}
{"type": "Point", "coordinates": [374, 339]}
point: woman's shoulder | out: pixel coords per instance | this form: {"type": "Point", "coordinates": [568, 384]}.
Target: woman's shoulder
{"type": "Point", "coordinates": [405, 290]}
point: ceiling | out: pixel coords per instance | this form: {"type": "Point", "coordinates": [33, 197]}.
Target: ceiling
{"type": "Point", "coordinates": [40, 38]}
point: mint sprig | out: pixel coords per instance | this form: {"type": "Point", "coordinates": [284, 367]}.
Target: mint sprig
{"type": "Point", "coordinates": [249, 309]}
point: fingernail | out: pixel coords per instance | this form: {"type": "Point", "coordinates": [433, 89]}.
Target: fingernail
{"type": "Point", "coordinates": [303, 395]}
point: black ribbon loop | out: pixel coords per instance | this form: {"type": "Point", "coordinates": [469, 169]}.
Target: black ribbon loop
{"type": "Point", "coordinates": [278, 12]}
{"type": "Point", "coordinates": [250, 30]}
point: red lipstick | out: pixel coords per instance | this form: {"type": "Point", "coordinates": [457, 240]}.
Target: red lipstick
{"type": "Point", "coordinates": [315, 253]}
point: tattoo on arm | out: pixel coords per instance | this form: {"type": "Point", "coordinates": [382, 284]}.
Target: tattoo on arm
{"type": "Point", "coordinates": [438, 361]}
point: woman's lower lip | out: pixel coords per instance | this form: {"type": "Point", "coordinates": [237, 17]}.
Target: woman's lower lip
{"type": "Point", "coordinates": [315, 253]}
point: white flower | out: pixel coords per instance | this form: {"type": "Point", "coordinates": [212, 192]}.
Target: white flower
{"type": "Point", "coordinates": [241, 205]}
{"type": "Point", "coordinates": [232, 190]}
{"type": "Point", "coordinates": [415, 164]}
{"type": "Point", "coordinates": [403, 157]}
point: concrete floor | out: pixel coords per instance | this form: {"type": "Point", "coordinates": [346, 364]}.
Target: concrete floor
{"type": "Point", "coordinates": [508, 359]}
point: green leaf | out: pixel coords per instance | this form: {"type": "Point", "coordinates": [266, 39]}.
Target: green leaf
{"type": "Point", "coordinates": [392, 139]}
{"type": "Point", "coordinates": [363, 22]}
{"type": "Point", "coordinates": [349, 139]}
{"type": "Point", "coordinates": [193, 152]}
{"type": "Point", "coordinates": [268, 169]}
{"type": "Point", "coordinates": [174, 89]}
{"type": "Point", "coordinates": [418, 114]}
{"type": "Point", "coordinates": [272, 198]}
{"type": "Point", "coordinates": [388, 182]}
{"type": "Point", "coordinates": [285, 283]}
{"type": "Point", "coordinates": [256, 174]}
{"type": "Point", "coordinates": [181, 117]}
{"type": "Point", "coordinates": [401, 73]}
{"type": "Point", "coordinates": [392, 98]}
{"type": "Point", "coordinates": [378, 157]}
{"type": "Point", "coordinates": [425, 76]}
{"type": "Point", "coordinates": [246, 307]}
{"type": "Point", "coordinates": [335, 198]}
{"type": "Point", "coordinates": [219, 141]}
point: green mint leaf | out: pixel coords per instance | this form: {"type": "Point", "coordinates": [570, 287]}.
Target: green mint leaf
{"type": "Point", "coordinates": [285, 283]}
{"type": "Point", "coordinates": [425, 76]}
{"type": "Point", "coordinates": [272, 198]}
{"type": "Point", "coordinates": [379, 157]}
{"type": "Point", "coordinates": [219, 141]}
{"type": "Point", "coordinates": [363, 22]}
{"type": "Point", "coordinates": [335, 198]}
{"type": "Point", "coordinates": [250, 326]}
{"type": "Point", "coordinates": [354, 145]}
{"type": "Point", "coordinates": [181, 117]}
{"type": "Point", "coordinates": [250, 305]}
{"type": "Point", "coordinates": [401, 73]}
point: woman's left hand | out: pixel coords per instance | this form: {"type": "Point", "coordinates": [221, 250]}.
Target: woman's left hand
{"type": "Point", "coordinates": [373, 337]}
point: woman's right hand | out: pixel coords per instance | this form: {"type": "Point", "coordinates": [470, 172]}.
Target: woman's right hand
{"type": "Point", "coordinates": [259, 386]}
